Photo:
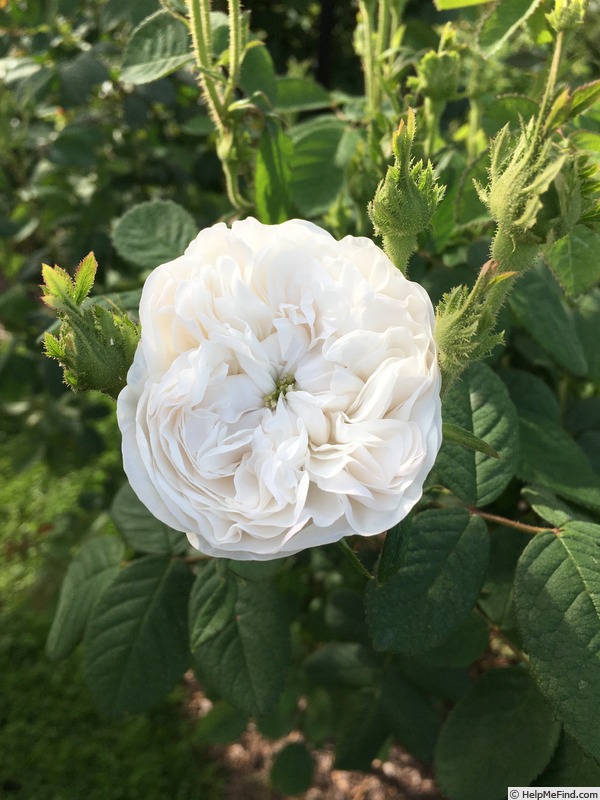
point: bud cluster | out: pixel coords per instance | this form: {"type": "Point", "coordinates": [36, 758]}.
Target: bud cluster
{"type": "Point", "coordinates": [95, 345]}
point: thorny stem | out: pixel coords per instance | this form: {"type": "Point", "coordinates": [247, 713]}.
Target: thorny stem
{"type": "Point", "coordinates": [368, 57]}
{"type": "Point", "coordinates": [201, 41]}
{"type": "Point", "coordinates": [510, 523]}
{"type": "Point", "coordinates": [383, 31]}
{"type": "Point", "coordinates": [550, 86]}
{"type": "Point", "coordinates": [173, 12]}
{"type": "Point", "coordinates": [234, 194]}
{"type": "Point", "coordinates": [474, 114]}
{"type": "Point", "coordinates": [432, 112]}
{"type": "Point", "coordinates": [235, 48]}
{"type": "Point", "coordinates": [216, 101]}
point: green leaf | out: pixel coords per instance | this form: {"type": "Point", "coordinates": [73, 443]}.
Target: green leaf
{"type": "Point", "coordinates": [587, 141]}
{"type": "Point", "coordinates": [549, 507]}
{"type": "Point", "coordinates": [551, 458]}
{"type": "Point", "coordinates": [569, 767]}
{"type": "Point", "coordinates": [76, 147]}
{"type": "Point", "coordinates": [157, 47]}
{"type": "Point", "coordinates": [78, 76]}
{"type": "Point", "coordinates": [448, 683]}
{"type": "Point", "coordinates": [283, 718]}
{"type": "Point", "coordinates": [481, 405]}
{"type": "Point", "coordinates": [502, 22]}
{"type": "Point", "coordinates": [589, 441]}
{"type": "Point", "coordinates": [293, 769]}
{"type": "Point", "coordinates": [28, 80]}
{"type": "Point", "coordinates": [247, 660]}
{"type": "Point", "coordinates": [584, 97]}
{"type": "Point", "coordinates": [410, 716]}
{"type": "Point", "coordinates": [318, 718]}
{"type": "Point", "coordinates": [559, 110]}
{"type": "Point", "coordinates": [223, 724]}
{"type": "Point", "coordinates": [255, 570]}
{"type": "Point", "coordinates": [361, 731]}
{"type": "Point", "coordinates": [393, 552]}
{"type": "Point", "coordinates": [511, 108]}
{"type": "Point", "coordinates": [584, 415]}
{"type": "Point", "coordinates": [531, 396]}
{"type": "Point", "coordinates": [462, 647]}
{"type": "Point", "coordinates": [551, 325]}
{"type": "Point", "coordinates": [57, 283]}
{"type": "Point", "coordinates": [141, 529]}
{"type": "Point", "coordinates": [501, 733]}
{"type": "Point", "coordinates": [454, 433]}
{"type": "Point", "coordinates": [115, 11]}
{"type": "Point", "coordinates": [587, 321]}
{"type": "Point", "coordinates": [136, 644]}
{"type": "Point", "coordinates": [342, 663]}
{"type": "Point", "coordinates": [91, 571]}
{"type": "Point", "coordinates": [272, 177]}
{"type": "Point", "coordinates": [258, 73]}
{"type": "Point", "coordinates": [219, 25]}
{"type": "Point", "coordinates": [317, 174]}
{"type": "Point", "coordinates": [450, 5]}
{"type": "Point", "coordinates": [300, 94]}
{"type": "Point", "coordinates": [84, 278]}
{"type": "Point", "coordinates": [153, 233]}
{"type": "Point", "coordinates": [574, 260]}
{"type": "Point", "coordinates": [199, 125]}
{"type": "Point", "coordinates": [212, 604]}
{"type": "Point", "coordinates": [435, 588]}
{"type": "Point", "coordinates": [345, 615]}
{"type": "Point", "coordinates": [557, 597]}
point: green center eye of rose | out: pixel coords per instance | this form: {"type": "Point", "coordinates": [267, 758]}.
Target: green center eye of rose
{"type": "Point", "coordinates": [283, 385]}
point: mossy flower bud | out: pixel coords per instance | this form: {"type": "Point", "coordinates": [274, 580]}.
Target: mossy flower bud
{"type": "Point", "coordinates": [406, 199]}
{"type": "Point", "coordinates": [95, 345]}
{"type": "Point", "coordinates": [566, 15]}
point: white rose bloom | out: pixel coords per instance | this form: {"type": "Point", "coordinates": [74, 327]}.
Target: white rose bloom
{"type": "Point", "coordinates": [284, 393]}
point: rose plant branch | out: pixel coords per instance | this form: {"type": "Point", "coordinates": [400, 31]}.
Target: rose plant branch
{"type": "Point", "coordinates": [522, 171]}
{"type": "Point", "coordinates": [218, 99]}
{"type": "Point", "coordinates": [512, 523]}
{"type": "Point", "coordinates": [377, 46]}
{"type": "Point", "coordinates": [202, 46]}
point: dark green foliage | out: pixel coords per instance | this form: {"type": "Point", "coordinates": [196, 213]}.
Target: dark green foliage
{"type": "Point", "coordinates": [143, 532]}
{"type": "Point", "coordinates": [501, 733]}
{"type": "Point", "coordinates": [557, 597]}
{"type": "Point", "coordinates": [137, 628]}
{"type": "Point", "coordinates": [436, 585]}
{"type": "Point", "coordinates": [240, 639]}
{"type": "Point", "coordinates": [480, 404]}
{"type": "Point", "coordinates": [292, 770]}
